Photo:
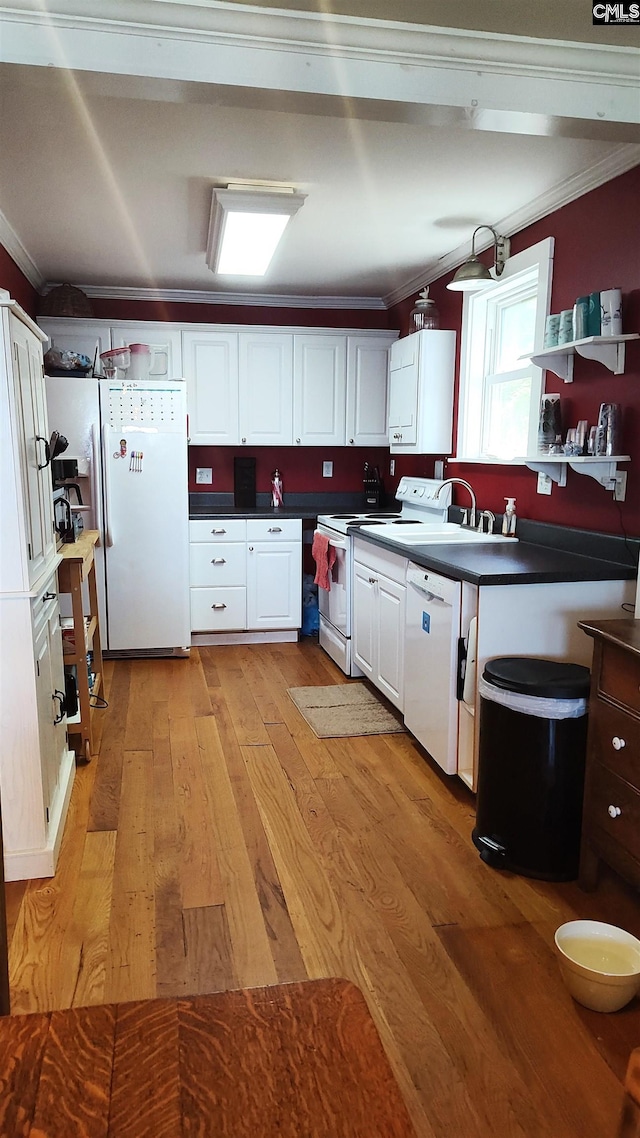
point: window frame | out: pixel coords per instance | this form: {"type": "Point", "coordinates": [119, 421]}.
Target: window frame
{"type": "Point", "coordinates": [480, 313]}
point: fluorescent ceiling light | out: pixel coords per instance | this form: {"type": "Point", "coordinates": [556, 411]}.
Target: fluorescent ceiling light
{"type": "Point", "coordinates": [245, 227]}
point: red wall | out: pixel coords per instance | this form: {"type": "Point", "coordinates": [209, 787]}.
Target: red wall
{"type": "Point", "coordinates": [597, 246]}
{"type": "Point", "coordinates": [184, 313]}
{"type": "Point", "coordinates": [15, 282]}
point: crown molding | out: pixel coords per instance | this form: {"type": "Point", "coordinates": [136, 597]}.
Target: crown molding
{"type": "Point", "coordinates": [623, 159]}
{"type": "Point", "coordinates": [16, 250]}
{"type": "Point", "coordinates": [249, 299]}
{"type": "Point", "coordinates": [326, 53]}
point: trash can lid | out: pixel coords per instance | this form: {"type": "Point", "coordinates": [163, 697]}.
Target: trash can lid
{"type": "Point", "coordinates": [532, 676]}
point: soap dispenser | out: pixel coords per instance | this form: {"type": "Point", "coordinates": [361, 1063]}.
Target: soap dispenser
{"type": "Point", "coordinates": [509, 519]}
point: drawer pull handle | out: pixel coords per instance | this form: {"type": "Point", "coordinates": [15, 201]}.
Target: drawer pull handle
{"type": "Point", "coordinates": [372, 580]}
{"type": "Point", "coordinates": [250, 549]}
{"type": "Point", "coordinates": [275, 529]}
{"type": "Point", "coordinates": [48, 597]}
{"type": "Point", "coordinates": [614, 811]}
{"type": "Point", "coordinates": [219, 605]}
{"type": "Point", "coordinates": [219, 561]}
{"type": "Point", "coordinates": [617, 743]}
{"type": "Point", "coordinates": [218, 531]}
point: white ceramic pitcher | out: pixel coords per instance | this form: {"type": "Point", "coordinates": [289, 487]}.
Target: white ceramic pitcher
{"type": "Point", "coordinates": [146, 361]}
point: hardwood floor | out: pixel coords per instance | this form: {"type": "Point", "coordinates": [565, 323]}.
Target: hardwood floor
{"type": "Point", "coordinates": [216, 843]}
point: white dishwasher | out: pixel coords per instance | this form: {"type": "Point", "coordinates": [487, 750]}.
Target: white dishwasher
{"type": "Point", "coordinates": [431, 663]}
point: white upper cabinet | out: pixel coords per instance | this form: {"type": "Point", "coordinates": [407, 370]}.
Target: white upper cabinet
{"type": "Point", "coordinates": [28, 543]}
{"type": "Point", "coordinates": [367, 389]}
{"type": "Point", "coordinates": [266, 388]}
{"type": "Point", "coordinates": [164, 341]}
{"type": "Point", "coordinates": [421, 369]}
{"type": "Point", "coordinates": [211, 370]}
{"type": "Point", "coordinates": [87, 337]}
{"type": "Point", "coordinates": [319, 376]}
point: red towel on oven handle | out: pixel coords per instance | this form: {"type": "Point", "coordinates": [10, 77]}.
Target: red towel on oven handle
{"type": "Point", "coordinates": [324, 555]}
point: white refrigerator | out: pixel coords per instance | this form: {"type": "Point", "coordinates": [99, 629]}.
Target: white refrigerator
{"type": "Point", "coordinates": [132, 439]}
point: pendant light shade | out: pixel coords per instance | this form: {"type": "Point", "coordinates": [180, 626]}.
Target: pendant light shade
{"type": "Point", "coordinates": [473, 275]}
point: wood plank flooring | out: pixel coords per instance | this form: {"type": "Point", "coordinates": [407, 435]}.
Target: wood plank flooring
{"type": "Point", "coordinates": [216, 843]}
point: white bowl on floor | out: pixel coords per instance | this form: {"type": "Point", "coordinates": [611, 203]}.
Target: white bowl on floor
{"type": "Point", "coordinates": [599, 963]}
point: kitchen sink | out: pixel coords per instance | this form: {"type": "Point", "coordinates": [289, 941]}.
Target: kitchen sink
{"type": "Point", "coordinates": [440, 533]}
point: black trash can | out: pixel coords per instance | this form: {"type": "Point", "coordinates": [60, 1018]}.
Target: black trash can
{"type": "Point", "coordinates": [533, 735]}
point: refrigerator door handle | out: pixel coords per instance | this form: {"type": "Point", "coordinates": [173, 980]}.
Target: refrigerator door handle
{"type": "Point", "coordinates": [95, 478]}
{"type": "Point", "coordinates": [108, 536]}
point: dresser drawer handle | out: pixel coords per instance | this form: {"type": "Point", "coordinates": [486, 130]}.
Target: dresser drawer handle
{"type": "Point", "coordinates": [219, 605]}
{"type": "Point", "coordinates": [617, 743]}
{"type": "Point", "coordinates": [614, 811]}
{"type": "Point", "coordinates": [274, 529]}
{"type": "Point", "coordinates": [218, 531]}
{"type": "Point", "coordinates": [219, 561]}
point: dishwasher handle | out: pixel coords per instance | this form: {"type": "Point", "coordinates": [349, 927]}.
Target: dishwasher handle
{"type": "Point", "coordinates": [421, 582]}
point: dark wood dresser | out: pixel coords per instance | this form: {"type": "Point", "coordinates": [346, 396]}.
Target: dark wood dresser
{"type": "Point", "coordinates": [611, 818]}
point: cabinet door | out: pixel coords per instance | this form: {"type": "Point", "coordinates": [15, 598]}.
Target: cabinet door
{"type": "Point", "coordinates": [403, 393]}
{"type": "Point", "coordinates": [46, 707]}
{"type": "Point", "coordinates": [210, 362]}
{"type": "Point", "coordinates": [274, 584]}
{"type": "Point", "coordinates": [391, 600]}
{"type": "Point", "coordinates": [33, 441]}
{"type": "Point", "coordinates": [166, 361]}
{"type": "Point", "coordinates": [266, 388]}
{"type": "Point", "coordinates": [83, 336]}
{"type": "Point", "coordinates": [365, 620]}
{"type": "Point", "coordinates": [319, 390]}
{"type": "Point", "coordinates": [367, 391]}
{"type": "Point", "coordinates": [59, 740]}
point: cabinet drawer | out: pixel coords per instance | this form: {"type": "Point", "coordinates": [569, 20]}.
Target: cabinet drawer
{"type": "Point", "coordinates": [607, 791]}
{"type": "Point", "coordinates": [218, 563]}
{"type": "Point", "coordinates": [218, 529]}
{"type": "Point", "coordinates": [620, 676]}
{"type": "Point", "coordinates": [607, 723]}
{"type": "Point", "coordinates": [380, 560]}
{"type": "Point", "coordinates": [274, 529]}
{"type": "Point", "coordinates": [222, 609]}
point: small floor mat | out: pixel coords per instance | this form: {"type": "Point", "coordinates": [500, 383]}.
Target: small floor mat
{"type": "Point", "coordinates": [340, 710]}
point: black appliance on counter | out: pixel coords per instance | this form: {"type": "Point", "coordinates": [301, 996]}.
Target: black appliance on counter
{"type": "Point", "coordinates": [373, 487]}
{"type": "Point", "coordinates": [68, 525]}
{"type": "Point", "coordinates": [244, 482]}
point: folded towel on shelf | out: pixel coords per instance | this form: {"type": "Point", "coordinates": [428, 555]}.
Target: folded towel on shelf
{"type": "Point", "coordinates": [324, 556]}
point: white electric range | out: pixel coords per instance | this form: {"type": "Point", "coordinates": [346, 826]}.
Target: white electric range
{"type": "Point", "coordinates": [419, 508]}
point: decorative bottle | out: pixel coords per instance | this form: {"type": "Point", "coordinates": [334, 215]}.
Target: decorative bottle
{"type": "Point", "coordinates": [276, 489]}
{"type": "Point", "coordinates": [424, 313]}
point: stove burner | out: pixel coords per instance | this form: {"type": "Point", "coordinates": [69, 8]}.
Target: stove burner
{"type": "Point", "coordinates": [367, 522]}
{"type": "Point", "coordinates": [378, 516]}
{"type": "Point", "coordinates": [407, 522]}
{"type": "Point", "coordinates": [346, 517]}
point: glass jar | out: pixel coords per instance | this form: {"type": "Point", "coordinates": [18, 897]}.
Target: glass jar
{"type": "Point", "coordinates": [424, 313]}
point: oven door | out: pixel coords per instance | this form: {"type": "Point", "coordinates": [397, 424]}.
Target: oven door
{"type": "Point", "coordinates": [335, 605]}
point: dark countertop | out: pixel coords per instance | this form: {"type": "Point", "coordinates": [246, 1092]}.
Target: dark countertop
{"type": "Point", "coordinates": [304, 505]}
{"type": "Point", "coordinates": [506, 563]}
{"type": "Point", "coordinates": [207, 513]}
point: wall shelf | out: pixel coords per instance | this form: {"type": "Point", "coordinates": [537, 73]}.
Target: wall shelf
{"type": "Point", "coordinates": [609, 350]}
{"type": "Point", "coordinates": [604, 468]}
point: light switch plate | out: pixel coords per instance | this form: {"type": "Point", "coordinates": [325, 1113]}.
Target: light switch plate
{"type": "Point", "coordinates": [544, 483]}
{"type": "Point", "coordinates": [204, 475]}
{"type": "Point", "coordinates": [327, 470]}
{"type": "Point", "coordinates": [438, 468]}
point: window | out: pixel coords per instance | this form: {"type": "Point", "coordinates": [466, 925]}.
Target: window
{"type": "Point", "coordinates": [499, 391]}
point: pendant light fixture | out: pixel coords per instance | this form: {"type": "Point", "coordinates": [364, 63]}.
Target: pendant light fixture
{"type": "Point", "coordinates": [473, 275]}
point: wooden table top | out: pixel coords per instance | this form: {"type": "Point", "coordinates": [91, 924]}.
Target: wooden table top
{"type": "Point", "coordinates": [293, 1061]}
{"type": "Point", "coordinates": [81, 549]}
{"type": "Point", "coordinates": [624, 632]}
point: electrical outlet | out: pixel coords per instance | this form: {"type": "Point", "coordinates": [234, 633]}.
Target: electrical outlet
{"type": "Point", "coordinates": [204, 475]}
{"type": "Point", "coordinates": [544, 483]}
{"type": "Point", "coordinates": [327, 470]}
{"type": "Point", "coordinates": [620, 491]}
{"type": "Point", "coordinates": [392, 466]}
{"type": "Point", "coordinates": [438, 468]}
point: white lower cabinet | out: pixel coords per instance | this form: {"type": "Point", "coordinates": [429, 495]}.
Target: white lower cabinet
{"type": "Point", "coordinates": [246, 576]}
{"type": "Point", "coordinates": [379, 598]}
{"type": "Point", "coordinates": [36, 766]}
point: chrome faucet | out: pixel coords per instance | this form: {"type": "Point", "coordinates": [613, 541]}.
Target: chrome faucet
{"type": "Point", "coordinates": [491, 521]}
{"type": "Point", "coordinates": [461, 482]}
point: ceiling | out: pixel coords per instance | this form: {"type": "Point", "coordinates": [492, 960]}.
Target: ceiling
{"type": "Point", "coordinates": [113, 134]}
